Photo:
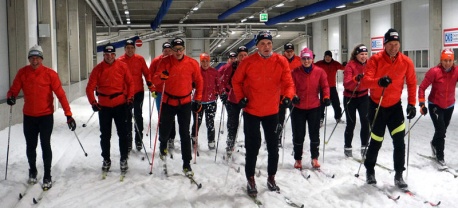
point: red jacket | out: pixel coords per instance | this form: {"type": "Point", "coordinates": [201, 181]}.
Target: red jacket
{"type": "Point", "coordinates": [38, 86]}
{"type": "Point", "coordinates": [352, 69]}
{"type": "Point", "coordinates": [401, 69]}
{"type": "Point", "coordinates": [137, 66]}
{"type": "Point", "coordinates": [308, 86]}
{"type": "Point", "coordinates": [153, 69]}
{"type": "Point", "coordinates": [331, 70]}
{"type": "Point", "coordinates": [113, 84]}
{"type": "Point", "coordinates": [261, 80]}
{"type": "Point", "coordinates": [226, 72]}
{"type": "Point", "coordinates": [443, 90]}
{"type": "Point", "coordinates": [182, 73]}
{"type": "Point", "coordinates": [294, 62]}
{"type": "Point", "coordinates": [211, 84]}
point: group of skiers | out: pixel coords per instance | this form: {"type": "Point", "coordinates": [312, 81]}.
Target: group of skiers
{"type": "Point", "coordinates": [261, 86]}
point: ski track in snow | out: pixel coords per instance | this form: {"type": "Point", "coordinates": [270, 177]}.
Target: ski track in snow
{"type": "Point", "coordinates": [79, 184]}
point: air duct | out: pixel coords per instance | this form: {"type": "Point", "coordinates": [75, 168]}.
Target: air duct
{"type": "Point", "coordinates": [235, 9]}
{"type": "Point", "coordinates": [307, 10]}
{"type": "Point", "coordinates": [161, 14]}
{"type": "Point", "coordinates": [96, 12]}
{"type": "Point", "coordinates": [251, 43]}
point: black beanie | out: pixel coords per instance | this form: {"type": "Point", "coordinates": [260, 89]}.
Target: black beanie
{"type": "Point", "coordinates": [328, 53]}
{"type": "Point", "coordinates": [263, 35]}
{"type": "Point", "coordinates": [391, 35]}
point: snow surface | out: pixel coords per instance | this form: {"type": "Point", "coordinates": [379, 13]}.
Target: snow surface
{"type": "Point", "coordinates": [78, 180]}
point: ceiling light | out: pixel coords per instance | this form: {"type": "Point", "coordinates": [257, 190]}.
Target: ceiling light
{"type": "Point", "coordinates": [243, 20]}
{"type": "Point", "coordinates": [301, 18]}
{"type": "Point", "coordinates": [125, 7]}
{"type": "Point", "coordinates": [251, 17]}
{"type": "Point", "coordinates": [124, 2]}
{"type": "Point", "coordinates": [232, 32]}
{"type": "Point", "coordinates": [128, 22]}
{"type": "Point", "coordinates": [278, 35]}
{"type": "Point", "coordinates": [219, 45]}
{"type": "Point", "coordinates": [280, 5]}
{"type": "Point", "coordinates": [341, 6]}
{"type": "Point", "coordinates": [195, 8]}
{"type": "Point", "coordinates": [126, 12]}
{"type": "Point", "coordinates": [128, 19]}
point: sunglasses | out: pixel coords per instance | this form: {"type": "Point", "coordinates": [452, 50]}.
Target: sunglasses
{"type": "Point", "coordinates": [181, 49]}
{"type": "Point", "coordinates": [306, 58]}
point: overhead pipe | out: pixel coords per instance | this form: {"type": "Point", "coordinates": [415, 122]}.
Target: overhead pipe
{"type": "Point", "coordinates": [108, 11]}
{"type": "Point", "coordinates": [96, 13]}
{"type": "Point", "coordinates": [230, 47]}
{"type": "Point", "coordinates": [235, 9]}
{"type": "Point", "coordinates": [102, 12]}
{"type": "Point", "coordinates": [161, 14]}
{"type": "Point", "coordinates": [307, 10]}
{"type": "Point", "coordinates": [119, 44]}
{"type": "Point", "coordinates": [117, 12]}
{"type": "Point", "coordinates": [251, 43]}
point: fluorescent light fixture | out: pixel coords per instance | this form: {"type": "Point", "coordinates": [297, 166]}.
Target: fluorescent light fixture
{"type": "Point", "coordinates": [251, 17]}
{"type": "Point", "coordinates": [280, 5]}
{"type": "Point", "coordinates": [219, 45]}
{"type": "Point", "coordinates": [232, 32]}
{"type": "Point", "coordinates": [341, 6]}
{"type": "Point", "coordinates": [195, 8]}
{"type": "Point", "coordinates": [128, 19]}
{"type": "Point", "coordinates": [126, 12]}
{"type": "Point", "coordinates": [125, 7]}
{"type": "Point", "coordinates": [243, 20]}
{"type": "Point", "coordinates": [128, 22]}
{"type": "Point", "coordinates": [301, 18]}
{"type": "Point", "coordinates": [278, 35]}
{"type": "Point", "coordinates": [124, 2]}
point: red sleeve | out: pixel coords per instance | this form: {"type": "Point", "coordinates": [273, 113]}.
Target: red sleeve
{"type": "Point", "coordinates": [349, 82]}
{"type": "Point", "coordinates": [145, 70]}
{"type": "Point", "coordinates": [17, 85]}
{"type": "Point", "coordinates": [198, 80]}
{"type": "Point", "coordinates": [411, 80]}
{"type": "Point", "coordinates": [128, 81]}
{"type": "Point", "coordinates": [92, 84]}
{"type": "Point", "coordinates": [429, 78]}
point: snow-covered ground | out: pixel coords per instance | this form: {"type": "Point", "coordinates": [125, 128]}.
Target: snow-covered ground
{"type": "Point", "coordinates": [78, 180]}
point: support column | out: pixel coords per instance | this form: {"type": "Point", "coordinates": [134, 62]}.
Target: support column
{"type": "Point", "coordinates": [63, 59]}
{"type": "Point", "coordinates": [73, 37]}
{"type": "Point", "coordinates": [17, 33]}
{"type": "Point", "coordinates": [82, 15]}
{"type": "Point", "coordinates": [46, 34]}
{"type": "Point", "coordinates": [366, 29]}
{"type": "Point", "coordinates": [435, 31]}
{"type": "Point", "coordinates": [344, 39]}
{"type": "Point", "coordinates": [397, 19]}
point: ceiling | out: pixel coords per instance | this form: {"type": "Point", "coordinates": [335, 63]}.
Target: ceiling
{"type": "Point", "coordinates": [224, 34]}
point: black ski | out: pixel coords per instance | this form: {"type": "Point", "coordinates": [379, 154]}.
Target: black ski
{"type": "Point", "coordinates": [123, 175]}
{"type": "Point", "coordinates": [419, 198]}
{"type": "Point", "coordinates": [41, 195]}
{"type": "Point", "coordinates": [28, 187]}
{"type": "Point", "coordinates": [254, 198]}
{"type": "Point", "coordinates": [442, 168]}
{"type": "Point", "coordinates": [384, 191]}
{"type": "Point", "coordinates": [191, 178]}
{"type": "Point", "coordinates": [291, 203]}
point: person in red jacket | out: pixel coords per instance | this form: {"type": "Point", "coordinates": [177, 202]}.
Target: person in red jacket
{"type": "Point", "coordinates": [177, 72]}
{"type": "Point", "coordinates": [385, 75]}
{"type": "Point", "coordinates": [229, 100]}
{"type": "Point", "coordinates": [112, 83]}
{"type": "Point", "coordinates": [209, 98]}
{"type": "Point", "coordinates": [137, 67]}
{"type": "Point", "coordinates": [38, 83]}
{"type": "Point", "coordinates": [257, 84]}
{"type": "Point", "coordinates": [356, 99]}
{"type": "Point", "coordinates": [331, 66]}
{"type": "Point", "coordinates": [294, 62]}
{"type": "Point", "coordinates": [441, 100]}
{"type": "Point", "coordinates": [309, 80]}
{"type": "Point", "coordinates": [157, 90]}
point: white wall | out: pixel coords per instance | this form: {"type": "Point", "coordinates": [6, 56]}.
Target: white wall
{"type": "Point", "coordinates": [4, 64]}
{"type": "Point", "coordinates": [415, 25]}
{"type": "Point", "coordinates": [354, 31]}
{"type": "Point", "coordinates": [333, 39]}
{"type": "Point", "coordinates": [380, 20]}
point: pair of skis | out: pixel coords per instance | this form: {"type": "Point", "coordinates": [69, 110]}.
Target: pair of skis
{"type": "Point", "coordinates": [37, 199]}
{"type": "Point", "coordinates": [442, 168]}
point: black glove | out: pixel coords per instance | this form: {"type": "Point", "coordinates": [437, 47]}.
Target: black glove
{"type": "Point", "coordinates": [71, 123]}
{"type": "Point", "coordinates": [423, 109]}
{"type": "Point", "coordinates": [296, 100]}
{"type": "Point", "coordinates": [344, 63]}
{"type": "Point", "coordinates": [243, 102]}
{"type": "Point", "coordinates": [95, 106]}
{"type": "Point", "coordinates": [358, 77]}
{"type": "Point", "coordinates": [384, 81]}
{"type": "Point", "coordinates": [193, 85]}
{"type": "Point", "coordinates": [235, 64]}
{"type": "Point", "coordinates": [326, 101]}
{"type": "Point", "coordinates": [148, 83]}
{"type": "Point", "coordinates": [223, 98]}
{"type": "Point", "coordinates": [286, 102]}
{"type": "Point", "coordinates": [164, 75]}
{"type": "Point", "coordinates": [11, 100]}
{"type": "Point", "coordinates": [196, 106]}
{"type": "Point", "coordinates": [411, 111]}
{"type": "Point", "coordinates": [130, 103]}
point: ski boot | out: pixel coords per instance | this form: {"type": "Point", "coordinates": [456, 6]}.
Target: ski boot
{"type": "Point", "coordinates": [171, 144]}
{"type": "Point", "coordinates": [138, 145]}
{"type": "Point", "coordinates": [106, 165]}
{"type": "Point", "coordinates": [399, 181]}
{"type": "Point", "coordinates": [47, 184]}
{"type": "Point", "coordinates": [211, 145]}
{"type": "Point", "coordinates": [271, 184]}
{"type": "Point", "coordinates": [32, 177]}
{"type": "Point", "coordinates": [187, 170]}
{"type": "Point", "coordinates": [348, 152]}
{"type": "Point", "coordinates": [315, 163]}
{"type": "Point", "coordinates": [298, 164]}
{"type": "Point", "coordinates": [370, 178]}
{"type": "Point", "coordinates": [124, 166]}
{"type": "Point", "coordinates": [251, 187]}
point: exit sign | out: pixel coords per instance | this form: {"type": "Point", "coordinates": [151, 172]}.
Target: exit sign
{"type": "Point", "coordinates": [263, 17]}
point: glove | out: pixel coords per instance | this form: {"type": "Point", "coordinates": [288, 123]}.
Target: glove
{"type": "Point", "coordinates": [11, 100]}
{"type": "Point", "coordinates": [358, 77]}
{"type": "Point", "coordinates": [71, 123]}
{"type": "Point", "coordinates": [148, 83]}
{"type": "Point", "coordinates": [95, 106]}
{"type": "Point", "coordinates": [223, 98]}
{"type": "Point", "coordinates": [423, 109]}
{"type": "Point", "coordinates": [326, 101]}
{"type": "Point", "coordinates": [344, 63]}
{"type": "Point", "coordinates": [164, 75]}
{"type": "Point", "coordinates": [243, 102]}
{"type": "Point", "coordinates": [384, 81]}
{"type": "Point", "coordinates": [411, 111]}
{"type": "Point", "coordinates": [296, 100]}
{"type": "Point", "coordinates": [154, 95]}
{"type": "Point", "coordinates": [286, 102]}
{"type": "Point", "coordinates": [196, 106]}
{"type": "Point", "coordinates": [130, 103]}
{"type": "Point", "coordinates": [193, 85]}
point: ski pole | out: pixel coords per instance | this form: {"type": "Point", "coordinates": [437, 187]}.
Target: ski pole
{"type": "Point", "coordinates": [85, 154]}
{"type": "Point", "coordinates": [9, 135]}
{"type": "Point", "coordinates": [346, 106]}
{"type": "Point", "coordinates": [229, 162]}
{"type": "Point", "coordinates": [222, 130]}
{"type": "Point", "coordinates": [138, 132]}
{"type": "Point", "coordinates": [284, 134]}
{"type": "Point", "coordinates": [150, 116]}
{"type": "Point", "coordinates": [84, 125]}
{"type": "Point", "coordinates": [324, 134]}
{"type": "Point", "coordinates": [196, 144]}
{"type": "Point", "coordinates": [372, 127]}
{"type": "Point", "coordinates": [408, 132]}
{"type": "Point", "coordinates": [157, 130]}
{"type": "Point", "coordinates": [408, 149]}
{"type": "Point", "coordinates": [219, 130]}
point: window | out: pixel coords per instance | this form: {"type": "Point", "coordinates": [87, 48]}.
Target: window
{"type": "Point", "coordinates": [420, 58]}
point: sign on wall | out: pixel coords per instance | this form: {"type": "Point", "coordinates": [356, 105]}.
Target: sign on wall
{"type": "Point", "coordinates": [377, 43]}
{"type": "Point", "coordinates": [451, 37]}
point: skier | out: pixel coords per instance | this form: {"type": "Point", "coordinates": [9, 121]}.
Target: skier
{"type": "Point", "coordinates": [38, 83]}
{"type": "Point", "coordinates": [257, 86]}
{"type": "Point", "coordinates": [229, 100]}
{"type": "Point", "coordinates": [355, 99]}
{"type": "Point", "coordinates": [441, 100]}
{"type": "Point", "coordinates": [330, 66]}
{"type": "Point", "coordinates": [309, 80]}
{"type": "Point", "coordinates": [177, 72]}
{"type": "Point", "coordinates": [137, 67]}
{"type": "Point", "coordinates": [384, 75]}
{"type": "Point", "coordinates": [209, 98]}
{"type": "Point", "coordinates": [294, 62]}
{"type": "Point", "coordinates": [112, 83]}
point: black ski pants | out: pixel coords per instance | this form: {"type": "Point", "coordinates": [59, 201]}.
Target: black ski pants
{"type": "Point", "coordinates": [251, 128]}
{"type": "Point", "coordinates": [393, 118]}
{"type": "Point", "coordinates": [210, 110]}
{"type": "Point", "coordinates": [32, 127]}
{"type": "Point", "coordinates": [173, 132]}
{"type": "Point", "coordinates": [360, 104]}
{"type": "Point", "coordinates": [299, 119]}
{"type": "Point", "coordinates": [167, 120]}
{"type": "Point", "coordinates": [106, 117]}
{"type": "Point", "coordinates": [441, 119]}
{"type": "Point", "coordinates": [138, 104]}
{"type": "Point", "coordinates": [335, 102]}
{"type": "Point", "coordinates": [281, 120]}
{"type": "Point", "coordinates": [233, 115]}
